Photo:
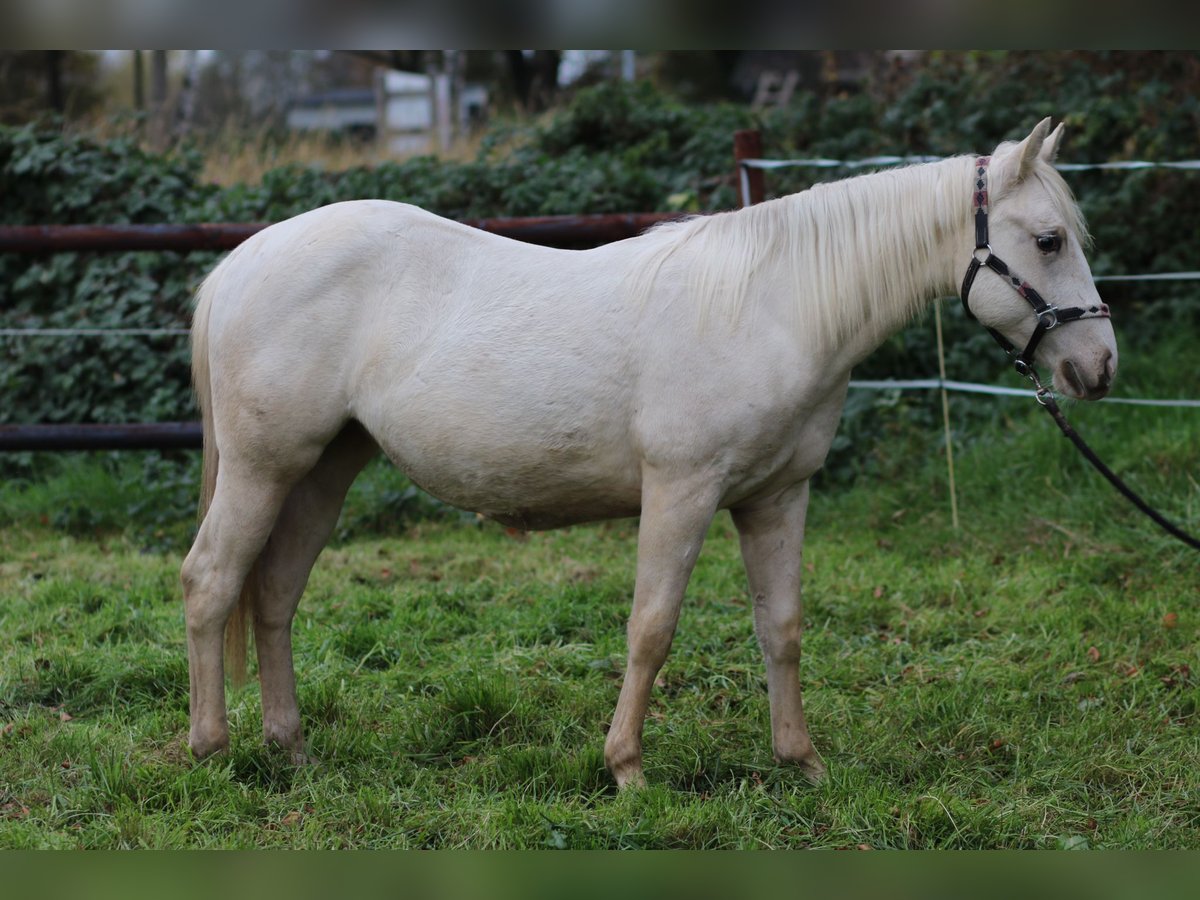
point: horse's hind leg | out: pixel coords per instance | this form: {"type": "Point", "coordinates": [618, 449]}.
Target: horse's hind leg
{"type": "Point", "coordinates": [235, 528]}
{"type": "Point", "coordinates": [772, 539]}
{"type": "Point", "coordinates": [301, 531]}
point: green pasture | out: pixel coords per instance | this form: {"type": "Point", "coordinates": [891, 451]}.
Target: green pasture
{"type": "Point", "coordinates": [1029, 681]}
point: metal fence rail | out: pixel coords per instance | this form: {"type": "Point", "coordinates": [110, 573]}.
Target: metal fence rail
{"type": "Point", "coordinates": [142, 436]}
{"type": "Point", "coordinates": [551, 231]}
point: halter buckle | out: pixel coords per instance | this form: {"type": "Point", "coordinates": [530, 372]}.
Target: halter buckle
{"type": "Point", "coordinates": [1048, 318]}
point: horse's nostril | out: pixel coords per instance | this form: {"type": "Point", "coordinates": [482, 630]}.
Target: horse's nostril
{"type": "Point", "coordinates": [1072, 376]}
{"type": "Point", "coordinates": [1107, 369]}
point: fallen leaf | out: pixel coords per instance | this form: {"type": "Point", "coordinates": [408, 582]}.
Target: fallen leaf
{"type": "Point", "coordinates": [295, 817]}
{"type": "Point", "coordinates": [1093, 654]}
{"type": "Point", "coordinates": [1170, 620]}
{"type": "Point", "coordinates": [878, 592]}
{"type": "Point", "coordinates": [8, 728]}
{"type": "Point", "coordinates": [980, 613]}
{"type": "Point", "coordinates": [64, 716]}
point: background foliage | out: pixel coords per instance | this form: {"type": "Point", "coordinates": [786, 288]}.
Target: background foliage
{"type": "Point", "coordinates": [613, 148]}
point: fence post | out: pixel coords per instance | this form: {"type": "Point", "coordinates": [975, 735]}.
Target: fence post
{"type": "Point", "coordinates": [747, 144]}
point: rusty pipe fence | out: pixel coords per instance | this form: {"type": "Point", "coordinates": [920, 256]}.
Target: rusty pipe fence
{"type": "Point", "coordinates": [574, 232]}
{"type": "Point", "coordinates": [551, 231]}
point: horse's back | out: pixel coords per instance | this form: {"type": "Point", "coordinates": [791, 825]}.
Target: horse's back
{"type": "Point", "coordinates": [485, 367]}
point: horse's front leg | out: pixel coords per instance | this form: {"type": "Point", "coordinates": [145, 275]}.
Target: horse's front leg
{"type": "Point", "coordinates": [675, 518]}
{"type": "Point", "coordinates": [772, 539]}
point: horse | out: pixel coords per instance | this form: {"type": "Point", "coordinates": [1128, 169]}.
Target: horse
{"type": "Point", "coordinates": [698, 367]}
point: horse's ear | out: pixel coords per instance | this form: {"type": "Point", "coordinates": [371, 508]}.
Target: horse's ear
{"type": "Point", "coordinates": [1026, 152]}
{"type": "Point", "coordinates": [1049, 151]}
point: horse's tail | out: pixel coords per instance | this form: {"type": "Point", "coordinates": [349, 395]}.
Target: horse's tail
{"type": "Point", "coordinates": [237, 629]}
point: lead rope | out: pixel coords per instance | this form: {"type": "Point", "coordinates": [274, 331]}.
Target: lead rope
{"type": "Point", "coordinates": [1046, 399]}
{"type": "Point", "coordinates": [1048, 317]}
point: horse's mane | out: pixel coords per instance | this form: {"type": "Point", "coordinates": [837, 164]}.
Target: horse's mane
{"type": "Point", "coordinates": [858, 253]}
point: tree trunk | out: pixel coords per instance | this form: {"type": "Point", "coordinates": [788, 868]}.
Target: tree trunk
{"type": "Point", "coordinates": [158, 79]}
{"type": "Point", "coordinates": [55, 99]}
{"type": "Point", "coordinates": [158, 96]}
{"type": "Point", "coordinates": [139, 81]}
{"type": "Point", "coordinates": [186, 109]}
{"type": "Point", "coordinates": [535, 78]}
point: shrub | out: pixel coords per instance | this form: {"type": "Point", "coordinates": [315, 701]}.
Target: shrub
{"type": "Point", "coordinates": [613, 148]}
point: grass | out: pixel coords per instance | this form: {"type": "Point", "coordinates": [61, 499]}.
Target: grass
{"type": "Point", "coordinates": [1028, 682]}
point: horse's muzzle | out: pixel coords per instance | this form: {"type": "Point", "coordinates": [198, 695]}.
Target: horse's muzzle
{"type": "Point", "coordinates": [1074, 381]}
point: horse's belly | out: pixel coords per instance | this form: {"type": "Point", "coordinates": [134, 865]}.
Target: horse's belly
{"type": "Point", "coordinates": [534, 481]}
{"type": "Point", "coordinates": [535, 498]}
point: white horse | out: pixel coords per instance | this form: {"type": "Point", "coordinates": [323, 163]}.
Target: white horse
{"type": "Point", "coordinates": [699, 367]}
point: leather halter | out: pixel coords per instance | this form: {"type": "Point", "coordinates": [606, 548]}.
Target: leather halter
{"type": "Point", "coordinates": [1048, 316]}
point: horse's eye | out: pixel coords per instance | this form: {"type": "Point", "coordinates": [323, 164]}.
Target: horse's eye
{"type": "Point", "coordinates": [1049, 243]}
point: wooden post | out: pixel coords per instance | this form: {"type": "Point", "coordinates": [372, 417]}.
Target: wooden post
{"type": "Point", "coordinates": [747, 144]}
{"type": "Point", "coordinates": [941, 348]}
{"type": "Point", "coordinates": [55, 99]}
{"type": "Point", "coordinates": [139, 82]}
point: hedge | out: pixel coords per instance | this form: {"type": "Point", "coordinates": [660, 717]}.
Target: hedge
{"type": "Point", "coordinates": [613, 148]}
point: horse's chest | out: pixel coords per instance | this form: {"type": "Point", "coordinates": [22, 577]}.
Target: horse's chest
{"type": "Point", "coordinates": [788, 446]}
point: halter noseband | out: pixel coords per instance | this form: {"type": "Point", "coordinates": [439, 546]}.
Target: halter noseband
{"type": "Point", "coordinates": [1048, 316]}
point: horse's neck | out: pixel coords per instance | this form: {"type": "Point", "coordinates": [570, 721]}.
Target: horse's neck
{"type": "Point", "coordinates": [889, 270]}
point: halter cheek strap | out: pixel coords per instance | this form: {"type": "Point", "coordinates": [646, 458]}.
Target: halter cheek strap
{"type": "Point", "coordinates": [1048, 316]}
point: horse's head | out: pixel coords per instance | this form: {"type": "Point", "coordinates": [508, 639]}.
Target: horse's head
{"type": "Point", "coordinates": [1036, 229]}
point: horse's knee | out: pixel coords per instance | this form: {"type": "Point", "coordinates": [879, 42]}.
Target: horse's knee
{"type": "Point", "coordinates": [279, 593]}
{"type": "Point", "coordinates": [649, 640]}
{"type": "Point", "coordinates": [273, 615]}
{"type": "Point", "coordinates": [779, 634]}
{"type": "Point", "coordinates": [207, 601]}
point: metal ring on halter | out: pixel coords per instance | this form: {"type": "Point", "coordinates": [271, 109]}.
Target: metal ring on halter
{"type": "Point", "coordinates": [1051, 313]}
{"type": "Point", "coordinates": [987, 251]}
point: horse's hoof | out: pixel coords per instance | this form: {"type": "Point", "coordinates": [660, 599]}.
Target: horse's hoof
{"type": "Point", "coordinates": [810, 764]}
{"type": "Point", "coordinates": [203, 749]}
{"type": "Point", "coordinates": [631, 781]}
{"type": "Point", "coordinates": [813, 770]}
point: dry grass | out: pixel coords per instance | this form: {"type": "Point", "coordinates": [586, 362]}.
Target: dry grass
{"type": "Point", "coordinates": [233, 155]}
{"type": "Point", "coordinates": [238, 158]}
